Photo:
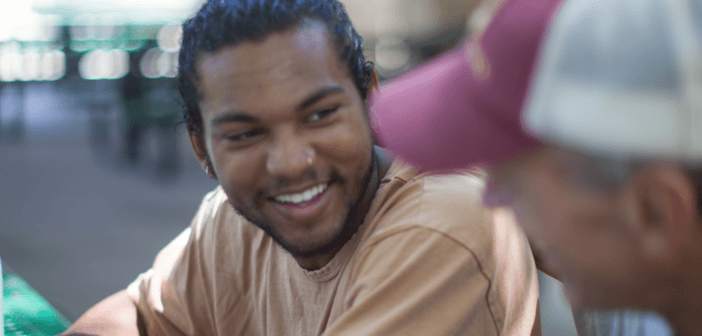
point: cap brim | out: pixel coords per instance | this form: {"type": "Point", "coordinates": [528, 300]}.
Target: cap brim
{"type": "Point", "coordinates": [432, 117]}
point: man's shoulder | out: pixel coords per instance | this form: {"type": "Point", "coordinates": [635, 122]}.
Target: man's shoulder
{"type": "Point", "coordinates": [212, 211]}
{"type": "Point", "coordinates": [430, 210]}
{"type": "Point", "coordinates": [448, 203]}
{"type": "Point", "coordinates": [215, 212]}
{"type": "Point", "coordinates": [448, 196]}
{"type": "Point", "coordinates": [460, 186]}
{"type": "Point", "coordinates": [219, 229]}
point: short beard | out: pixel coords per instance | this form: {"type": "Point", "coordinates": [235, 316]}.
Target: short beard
{"type": "Point", "coordinates": [351, 224]}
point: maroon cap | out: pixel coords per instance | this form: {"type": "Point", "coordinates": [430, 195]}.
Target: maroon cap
{"type": "Point", "coordinates": [464, 108]}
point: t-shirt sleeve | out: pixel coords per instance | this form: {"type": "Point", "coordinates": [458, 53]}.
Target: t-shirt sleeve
{"type": "Point", "coordinates": [418, 282]}
{"type": "Point", "coordinates": [170, 296]}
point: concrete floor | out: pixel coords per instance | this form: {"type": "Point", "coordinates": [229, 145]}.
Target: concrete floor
{"type": "Point", "coordinates": [79, 225]}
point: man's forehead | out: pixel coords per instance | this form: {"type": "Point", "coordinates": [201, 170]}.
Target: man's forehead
{"type": "Point", "coordinates": [312, 36]}
{"type": "Point", "coordinates": [284, 64]}
{"type": "Point", "coordinates": [307, 41]}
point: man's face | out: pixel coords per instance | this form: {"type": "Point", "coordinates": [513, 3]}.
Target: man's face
{"type": "Point", "coordinates": [286, 132]}
{"type": "Point", "coordinates": [580, 232]}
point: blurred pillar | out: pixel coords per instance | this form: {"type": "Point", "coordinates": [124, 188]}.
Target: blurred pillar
{"type": "Point", "coordinates": [16, 129]}
{"type": "Point", "coordinates": [2, 84]}
{"type": "Point", "coordinates": [136, 114]}
{"type": "Point", "coordinates": [98, 123]}
{"type": "Point", "coordinates": [165, 112]}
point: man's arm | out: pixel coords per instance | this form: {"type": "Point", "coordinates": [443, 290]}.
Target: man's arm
{"type": "Point", "coordinates": [115, 315]}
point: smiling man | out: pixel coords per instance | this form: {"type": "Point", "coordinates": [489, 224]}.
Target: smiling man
{"type": "Point", "coordinates": [313, 230]}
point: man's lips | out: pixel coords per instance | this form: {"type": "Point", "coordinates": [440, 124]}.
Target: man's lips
{"type": "Point", "coordinates": [306, 203]}
{"type": "Point", "coordinates": [304, 211]}
{"type": "Point", "coordinates": [302, 196]}
{"type": "Point", "coordinates": [297, 190]}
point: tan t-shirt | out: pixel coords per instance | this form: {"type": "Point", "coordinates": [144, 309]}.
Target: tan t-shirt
{"type": "Point", "coordinates": [428, 260]}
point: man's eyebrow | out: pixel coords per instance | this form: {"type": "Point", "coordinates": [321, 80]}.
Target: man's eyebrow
{"type": "Point", "coordinates": [238, 116]}
{"type": "Point", "coordinates": [231, 117]}
{"type": "Point", "coordinates": [319, 95]}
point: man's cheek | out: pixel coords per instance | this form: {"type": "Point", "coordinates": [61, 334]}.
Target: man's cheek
{"type": "Point", "coordinates": [496, 195]}
{"type": "Point", "coordinates": [525, 216]}
{"type": "Point", "coordinates": [492, 198]}
{"type": "Point", "coordinates": [535, 222]}
{"type": "Point", "coordinates": [529, 227]}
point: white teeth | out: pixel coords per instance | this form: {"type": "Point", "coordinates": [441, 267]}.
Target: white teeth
{"type": "Point", "coordinates": [297, 198]}
{"type": "Point", "coordinates": [307, 195]}
{"type": "Point", "coordinates": [303, 196]}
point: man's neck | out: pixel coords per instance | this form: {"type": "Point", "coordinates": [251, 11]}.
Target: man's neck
{"type": "Point", "coordinates": [380, 166]}
{"type": "Point", "coordinates": [384, 161]}
{"type": "Point", "coordinates": [684, 311]}
{"type": "Point", "coordinates": [686, 318]}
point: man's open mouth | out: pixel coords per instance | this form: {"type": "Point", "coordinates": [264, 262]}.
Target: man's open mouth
{"type": "Point", "coordinates": [302, 197]}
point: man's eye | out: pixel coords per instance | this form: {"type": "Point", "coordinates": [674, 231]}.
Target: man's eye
{"type": "Point", "coordinates": [243, 136]}
{"type": "Point", "coordinates": [322, 114]}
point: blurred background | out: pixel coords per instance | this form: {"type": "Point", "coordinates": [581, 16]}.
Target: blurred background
{"type": "Point", "coordinates": [96, 176]}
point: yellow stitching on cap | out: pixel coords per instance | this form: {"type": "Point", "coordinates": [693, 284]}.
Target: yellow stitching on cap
{"type": "Point", "coordinates": [477, 34]}
{"type": "Point", "coordinates": [477, 61]}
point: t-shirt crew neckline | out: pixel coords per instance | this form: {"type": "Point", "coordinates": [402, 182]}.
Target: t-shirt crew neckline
{"type": "Point", "coordinates": [332, 269]}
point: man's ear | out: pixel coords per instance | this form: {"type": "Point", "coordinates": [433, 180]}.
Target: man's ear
{"type": "Point", "coordinates": [661, 210]}
{"type": "Point", "coordinates": [199, 149]}
{"type": "Point", "coordinates": [374, 87]}
{"type": "Point", "coordinates": [373, 91]}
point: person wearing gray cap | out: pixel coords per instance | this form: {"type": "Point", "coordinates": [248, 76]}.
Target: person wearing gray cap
{"type": "Point", "coordinates": [601, 160]}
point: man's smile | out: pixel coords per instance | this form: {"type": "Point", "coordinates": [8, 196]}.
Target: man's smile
{"type": "Point", "coordinates": [303, 196]}
{"type": "Point", "coordinates": [306, 205]}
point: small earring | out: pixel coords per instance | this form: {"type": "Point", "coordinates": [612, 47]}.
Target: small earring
{"type": "Point", "coordinates": [208, 170]}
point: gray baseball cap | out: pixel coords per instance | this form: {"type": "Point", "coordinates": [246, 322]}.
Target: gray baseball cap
{"type": "Point", "coordinates": [621, 78]}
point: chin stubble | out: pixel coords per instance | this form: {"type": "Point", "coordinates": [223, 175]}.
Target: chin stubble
{"type": "Point", "coordinates": [351, 223]}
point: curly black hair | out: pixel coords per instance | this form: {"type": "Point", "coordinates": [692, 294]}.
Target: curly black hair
{"type": "Point", "coordinates": [221, 23]}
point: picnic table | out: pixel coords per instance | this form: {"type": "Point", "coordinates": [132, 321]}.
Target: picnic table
{"type": "Point", "coordinates": [26, 312]}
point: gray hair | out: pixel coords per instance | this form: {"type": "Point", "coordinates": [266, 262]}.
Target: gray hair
{"type": "Point", "coordinates": [598, 173]}
{"type": "Point", "coordinates": [611, 174]}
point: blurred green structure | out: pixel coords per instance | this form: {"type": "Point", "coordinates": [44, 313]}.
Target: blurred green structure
{"type": "Point", "coordinates": [26, 312]}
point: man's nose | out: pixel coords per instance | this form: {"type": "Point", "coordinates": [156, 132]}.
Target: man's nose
{"type": "Point", "coordinates": [290, 157]}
